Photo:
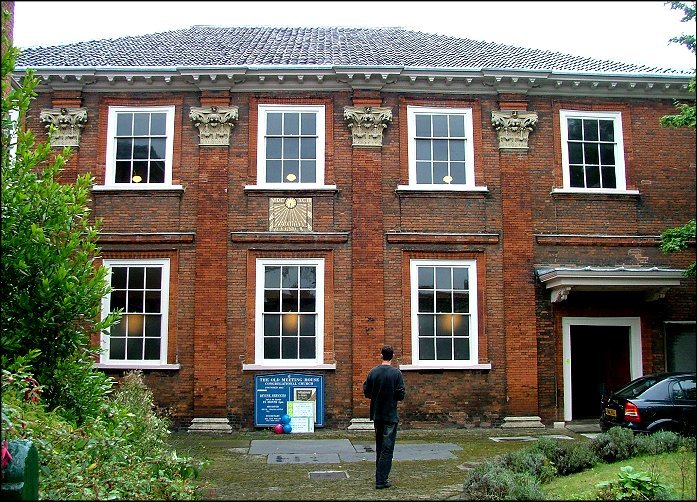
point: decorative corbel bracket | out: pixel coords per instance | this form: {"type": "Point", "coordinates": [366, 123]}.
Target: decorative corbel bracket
{"type": "Point", "coordinates": [513, 128]}
{"type": "Point", "coordinates": [214, 123]}
{"type": "Point", "coordinates": [367, 123]}
{"type": "Point", "coordinates": [68, 124]}
{"type": "Point", "coordinates": [560, 293]}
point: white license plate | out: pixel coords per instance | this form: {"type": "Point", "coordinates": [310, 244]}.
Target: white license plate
{"type": "Point", "coordinates": [610, 412]}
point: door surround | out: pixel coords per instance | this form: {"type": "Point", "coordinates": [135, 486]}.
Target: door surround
{"type": "Point", "coordinates": [635, 364]}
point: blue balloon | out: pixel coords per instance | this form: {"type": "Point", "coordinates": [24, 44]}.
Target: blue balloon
{"type": "Point", "coordinates": [285, 419]}
{"type": "Point", "coordinates": [287, 428]}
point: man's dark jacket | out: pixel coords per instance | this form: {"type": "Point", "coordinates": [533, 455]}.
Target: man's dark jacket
{"type": "Point", "coordinates": [384, 387]}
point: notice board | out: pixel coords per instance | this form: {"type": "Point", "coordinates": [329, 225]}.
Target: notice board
{"type": "Point", "coordinates": [272, 393]}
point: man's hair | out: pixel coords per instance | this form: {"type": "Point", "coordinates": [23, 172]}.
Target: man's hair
{"type": "Point", "coordinates": [387, 352]}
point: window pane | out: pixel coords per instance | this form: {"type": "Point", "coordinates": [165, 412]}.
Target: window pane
{"type": "Point", "coordinates": [291, 148]}
{"type": "Point", "coordinates": [118, 300]}
{"type": "Point", "coordinates": [444, 325]}
{"type": "Point", "coordinates": [444, 349]}
{"type": "Point", "coordinates": [423, 149]}
{"type": "Point", "coordinates": [152, 302]}
{"type": "Point", "coordinates": [291, 171]}
{"type": "Point", "coordinates": [607, 130]}
{"type": "Point", "coordinates": [440, 149]}
{"type": "Point", "coordinates": [461, 325]}
{"type": "Point", "coordinates": [272, 300]}
{"type": "Point", "coordinates": [590, 151]}
{"type": "Point", "coordinates": [307, 325]}
{"type": "Point", "coordinates": [152, 349]}
{"type": "Point", "coordinates": [444, 301]}
{"type": "Point", "coordinates": [461, 302]}
{"type": "Point", "coordinates": [457, 172]}
{"type": "Point", "coordinates": [460, 278]}
{"type": "Point", "coordinates": [574, 129]}
{"type": "Point", "coordinates": [575, 153]}
{"type": "Point", "coordinates": [140, 171]}
{"type": "Point", "coordinates": [457, 150]}
{"type": "Point", "coordinates": [157, 148]}
{"type": "Point", "coordinates": [308, 277]}
{"type": "Point", "coordinates": [136, 277]}
{"type": "Point", "coordinates": [607, 154]}
{"type": "Point", "coordinates": [426, 327]}
{"type": "Point", "coordinates": [577, 176]}
{"type": "Point", "coordinates": [272, 325]}
{"type": "Point", "coordinates": [426, 301]}
{"type": "Point", "coordinates": [426, 277]}
{"type": "Point", "coordinates": [272, 277]}
{"type": "Point", "coordinates": [423, 173]}
{"type": "Point", "coordinates": [273, 148]}
{"type": "Point", "coordinates": [308, 148]}
{"type": "Point", "coordinates": [273, 171]}
{"type": "Point", "coordinates": [157, 172]}
{"type": "Point", "coordinates": [153, 278]}
{"type": "Point", "coordinates": [158, 124]}
{"type": "Point", "coordinates": [440, 126]}
{"type": "Point", "coordinates": [141, 124]}
{"type": "Point", "coordinates": [124, 124]}
{"type": "Point", "coordinates": [135, 301]}
{"type": "Point", "coordinates": [592, 177]}
{"type": "Point", "coordinates": [457, 126]}
{"type": "Point", "coordinates": [134, 348]}
{"type": "Point", "coordinates": [124, 148]}
{"type": "Point", "coordinates": [272, 348]}
{"type": "Point", "coordinates": [290, 277]}
{"type": "Point", "coordinates": [289, 325]}
{"type": "Point", "coordinates": [308, 124]}
{"type": "Point", "coordinates": [123, 172]}
{"type": "Point", "coordinates": [443, 278]}
{"type": "Point", "coordinates": [423, 126]}
{"type": "Point", "coordinates": [153, 326]}
{"type": "Point", "coordinates": [289, 300]}
{"type": "Point", "coordinates": [427, 350]}
{"type": "Point", "coordinates": [307, 348]}
{"type": "Point", "coordinates": [118, 277]}
{"type": "Point", "coordinates": [289, 347]}
{"type": "Point", "coordinates": [609, 180]}
{"type": "Point", "coordinates": [117, 348]}
{"type": "Point", "coordinates": [291, 124]}
{"type": "Point", "coordinates": [590, 130]}
{"type": "Point", "coordinates": [273, 124]}
{"type": "Point", "coordinates": [118, 329]}
{"type": "Point", "coordinates": [462, 349]}
{"type": "Point", "coordinates": [307, 300]}
{"type": "Point", "coordinates": [440, 171]}
{"type": "Point", "coordinates": [308, 171]}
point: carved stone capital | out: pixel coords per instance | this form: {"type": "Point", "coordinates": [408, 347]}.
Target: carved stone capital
{"type": "Point", "coordinates": [67, 122]}
{"type": "Point", "coordinates": [290, 214]}
{"type": "Point", "coordinates": [214, 123]}
{"type": "Point", "coordinates": [367, 123]}
{"type": "Point", "coordinates": [513, 128]}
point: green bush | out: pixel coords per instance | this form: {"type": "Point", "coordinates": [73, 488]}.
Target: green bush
{"type": "Point", "coordinates": [530, 462]}
{"type": "Point", "coordinates": [614, 445]}
{"type": "Point", "coordinates": [658, 442]}
{"type": "Point", "coordinates": [632, 485]}
{"type": "Point", "coordinates": [490, 481]}
{"type": "Point", "coordinates": [567, 457]}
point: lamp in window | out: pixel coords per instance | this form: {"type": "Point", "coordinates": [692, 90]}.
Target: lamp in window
{"type": "Point", "coordinates": [135, 325]}
{"type": "Point", "coordinates": [136, 179]}
{"type": "Point", "coordinates": [448, 179]}
{"type": "Point", "coordinates": [290, 323]}
{"type": "Point", "coordinates": [291, 177]}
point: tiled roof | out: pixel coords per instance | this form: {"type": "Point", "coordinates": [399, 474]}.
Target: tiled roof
{"type": "Point", "coordinates": [331, 46]}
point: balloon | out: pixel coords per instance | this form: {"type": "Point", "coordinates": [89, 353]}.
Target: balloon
{"type": "Point", "coordinates": [278, 428]}
{"type": "Point", "coordinates": [287, 428]}
{"type": "Point", "coordinates": [285, 419]}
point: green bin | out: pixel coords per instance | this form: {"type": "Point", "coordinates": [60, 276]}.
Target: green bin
{"type": "Point", "coordinates": [21, 476]}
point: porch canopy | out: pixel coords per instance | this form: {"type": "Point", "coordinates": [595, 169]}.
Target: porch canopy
{"type": "Point", "coordinates": [654, 281]}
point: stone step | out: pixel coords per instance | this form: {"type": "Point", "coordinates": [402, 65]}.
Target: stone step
{"type": "Point", "coordinates": [361, 424]}
{"type": "Point", "coordinates": [210, 425]}
{"type": "Point", "coordinates": [522, 423]}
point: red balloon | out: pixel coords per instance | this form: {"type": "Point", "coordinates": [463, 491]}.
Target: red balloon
{"type": "Point", "coordinates": [278, 428]}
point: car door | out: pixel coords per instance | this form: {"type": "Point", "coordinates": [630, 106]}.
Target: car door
{"type": "Point", "coordinates": [683, 393]}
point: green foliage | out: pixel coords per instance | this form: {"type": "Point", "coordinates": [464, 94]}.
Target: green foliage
{"type": "Point", "coordinates": [529, 461]}
{"type": "Point", "coordinates": [677, 239]}
{"type": "Point", "coordinates": [490, 481]}
{"type": "Point", "coordinates": [614, 445]}
{"type": "Point", "coordinates": [120, 454]}
{"type": "Point", "coordinates": [688, 10]}
{"type": "Point", "coordinates": [633, 485]}
{"type": "Point", "coordinates": [568, 457]}
{"type": "Point", "coordinates": [52, 289]}
{"type": "Point", "coordinates": [661, 442]}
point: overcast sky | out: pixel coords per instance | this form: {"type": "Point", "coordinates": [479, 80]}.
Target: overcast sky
{"type": "Point", "coordinates": [632, 32]}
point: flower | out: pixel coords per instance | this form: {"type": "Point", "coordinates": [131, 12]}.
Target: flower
{"type": "Point", "coordinates": [6, 457]}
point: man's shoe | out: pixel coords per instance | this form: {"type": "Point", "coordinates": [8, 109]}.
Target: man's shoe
{"type": "Point", "coordinates": [386, 484]}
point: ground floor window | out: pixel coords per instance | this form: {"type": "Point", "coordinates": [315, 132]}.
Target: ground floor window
{"type": "Point", "coordinates": [140, 290]}
{"type": "Point", "coordinates": [680, 346]}
{"type": "Point", "coordinates": [289, 311]}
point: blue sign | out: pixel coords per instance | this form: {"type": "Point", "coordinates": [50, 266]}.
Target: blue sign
{"type": "Point", "coordinates": [272, 393]}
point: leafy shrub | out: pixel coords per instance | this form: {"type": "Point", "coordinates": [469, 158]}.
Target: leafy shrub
{"type": "Point", "coordinates": [658, 442]}
{"type": "Point", "coordinates": [614, 445]}
{"type": "Point", "coordinates": [530, 462]}
{"type": "Point", "coordinates": [490, 481]}
{"type": "Point", "coordinates": [632, 485]}
{"type": "Point", "coordinates": [567, 458]}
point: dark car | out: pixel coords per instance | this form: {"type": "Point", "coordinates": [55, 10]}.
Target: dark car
{"type": "Point", "coordinates": [664, 401]}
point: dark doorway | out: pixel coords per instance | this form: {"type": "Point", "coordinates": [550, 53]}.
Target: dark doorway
{"type": "Point", "coordinates": [599, 363]}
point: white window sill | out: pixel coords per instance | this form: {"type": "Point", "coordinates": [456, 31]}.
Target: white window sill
{"type": "Point", "coordinates": [136, 187]}
{"type": "Point", "coordinates": [586, 191]}
{"type": "Point", "coordinates": [417, 367]}
{"type": "Point", "coordinates": [309, 366]}
{"type": "Point", "coordinates": [441, 188]}
{"type": "Point", "coordinates": [131, 366]}
{"type": "Point", "coordinates": [290, 186]}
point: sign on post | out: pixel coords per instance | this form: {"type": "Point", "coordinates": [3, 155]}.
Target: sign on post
{"type": "Point", "coordinates": [273, 392]}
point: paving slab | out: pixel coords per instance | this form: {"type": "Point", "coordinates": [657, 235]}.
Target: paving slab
{"type": "Point", "coordinates": [303, 458]}
{"type": "Point", "coordinates": [284, 446]}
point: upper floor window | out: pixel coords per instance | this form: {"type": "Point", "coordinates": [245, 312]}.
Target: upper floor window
{"type": "Point", "coordinates": [140, 146]}
{"type": "Point", "coordinates": [444, 312]}
{"type": "Point", "coordinates": [140, 288]}
{"type": "Point", "coordinates": [290, 312]}
{"type": "Point", "coordinates": [441, 152]}
{"type": "Point", "coordinates": [592, 151]}
{"type": "Point", "coordinates": [291, 146]}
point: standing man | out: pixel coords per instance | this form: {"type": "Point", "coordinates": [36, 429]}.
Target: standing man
{"type": "Point", "coordinates": [384, 387]}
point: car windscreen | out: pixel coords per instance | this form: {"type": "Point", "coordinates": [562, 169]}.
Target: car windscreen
{"type": "Point", "coordinates": [637, 387]}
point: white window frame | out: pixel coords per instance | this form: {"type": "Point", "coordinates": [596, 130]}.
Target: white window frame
{"type": "Point", "coordinates": [110, 172]}
{"type": "Point", "coordinates": [469, 185]}
{"type": "Point", "coordinates": [260, 361]}
{"type": "Point", "coordinates": [473, 361]}
{"type": "Point", "coordinates": [620, 169]}
{"type": "Point", "coordinates": [105, 359]}
{"type": "Point", "coordinates": [320, 112]}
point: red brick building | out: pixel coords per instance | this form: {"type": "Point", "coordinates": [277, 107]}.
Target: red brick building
{"type": "Point", "coordinates": [289, 200]}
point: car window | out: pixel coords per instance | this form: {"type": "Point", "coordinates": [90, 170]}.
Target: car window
{"type": "Point", "coordinates": [637, 387]}
{"type": "Point", "coordinates": [684, 389]}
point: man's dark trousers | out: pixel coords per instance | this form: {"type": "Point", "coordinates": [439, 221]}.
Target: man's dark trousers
{"type": "Point", "coordinates": [385, 437]}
